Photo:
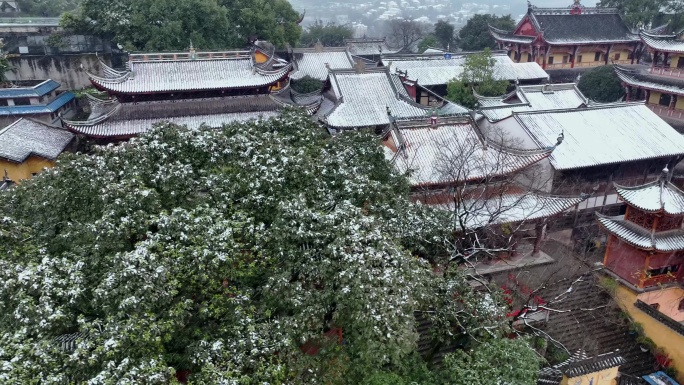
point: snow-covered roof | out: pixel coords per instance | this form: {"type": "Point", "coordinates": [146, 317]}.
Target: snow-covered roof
{"type": "Point", "coordinates": [450, 152]}
{"type": "Point", "coordinates": [362, 99]}
{"type": "Point", "coordinates": [602, 134]}
{"type": "Point", "coordinates": [122, 120]}
{"type": "Point", "coordinates": [665, 43]}
{"type": "Point", "coordinates": [38, 90]}
{"type": "Point", "coordinates": [314, 62]}
{"type": "Point", "coordinates": [509, 37]}
{"type": "Point", "coordinates": [27, 137]}
{"type": "Point", "coordinates": [579, 364]}
{"type": "Point", "coordinates": [208, 71]}
{"type": "Point", "coordinates": [645, 239]}
{"type": "Point", "coordinates": [368, 46]}
{"type": "Point", "coordinates": [511, 208]}
{"type": "Point", "coordinates": [430, 70]}
{"type": "Point", "coordinates": [532, 98]}
{"type": "Point", "coordinates": [655, 83]}
{"type": "Point", "coordinates": [657, 196]}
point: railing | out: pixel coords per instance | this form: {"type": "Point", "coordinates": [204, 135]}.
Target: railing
{"type": "Point", "coordinates": [45, 21]}
{"type": "Point", "coordinates": [662, 318]}
{"type": "Point", "coordinates": [667, 71]}
{"type": "Point", "coordinates": [664, 111]}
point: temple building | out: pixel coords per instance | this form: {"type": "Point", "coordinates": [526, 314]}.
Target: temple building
{"type": "Point", "coordinates": [432, 72]}
{"type": "Point", "coordinates": [191, 88]}
{"type": "Point", "coordinates": [39, 100]}
{"type": "Point", "coordinates": [645, 253]}
{"type": "Point", "coordinates": [530, 98]}
{"type": "Point", "coordinates": [662, 83]}
{"type": "Point", "coordinates": [370, 97]}
{"type": "Point", "coordinates": [572, 37]}
{"type": "Point", "coordinates": [315, 62]}
{"type": "Point", "coordinates": [28, 146]}
{"type": "Point", "coordinates": [371, 48]}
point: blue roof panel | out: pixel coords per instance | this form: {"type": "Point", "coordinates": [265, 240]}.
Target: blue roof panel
{"type": "Point", "coordinates": [38, 90]}
{"type": "Point", "coordinates": [38, 109]}
{"type": "Point", "coordinates": [660, 378]}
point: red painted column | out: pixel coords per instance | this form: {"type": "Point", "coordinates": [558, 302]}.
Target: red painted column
{"type": "Point", "coordinates": [655, 59]}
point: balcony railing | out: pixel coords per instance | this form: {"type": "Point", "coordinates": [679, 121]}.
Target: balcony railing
{"type": "Point", "coordinates": [667, 71]}
{"type": "Point", "coordinates": [666, 112]}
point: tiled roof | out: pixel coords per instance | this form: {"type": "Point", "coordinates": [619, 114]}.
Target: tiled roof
{"type": "Point", "coordinates": [636, 79]}
{"type": "Point", "coordinates": [362, 100]}
{"type": "Point", "coordinates": [593, 25]}
{"type": "Point", "coordinates": [508, 36]}
{"type": "Point", "coordinates": [665, 43]}
{"type": "Point", "coordinates": [587, 324]}
{"type": "Point", "coordinates": [633, 130]}
{"type": "Point", "coordinates": [453, 151]}
{"type": "Point", "coordinates": [235, 70]}
{"type": "Point", "coordinates": [51, 107]}
{"type": "Point", "coordinates": [315, 63]}
{"type": "Point", "coordinates": [430, 70]}
{"type": "Point", "coordinates": [532, 98]}
{"type": "Point", "coordinates": [27, 137]}
{"type": "Point", "coordinates": [664, 241]}
{"type": "Point", "coordinates": [38, 90]}
{"type": "Point", "coordinates": [130, 119]}
{"type": "Point", "coordinates": [578, 365]}
{"type": "Point", "coordinates": [511, 208]}
{"type": "Point", "coordinates": [368, 46]}
{"type": "Point", "coordinates": [657, 196]}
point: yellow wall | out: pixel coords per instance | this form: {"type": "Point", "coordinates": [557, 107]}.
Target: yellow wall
{"type": "Point", "coordinates": [664, 337]}
{"type": "Point", "coordinates": [259, 57]}
{"type": "Point", "coordinates": [19, 171]}
{"type": "Point", "coordinates": [655, 98]}
{"type": "Point", "coordinates": [604, 377]}
{"type": "Point", "coordinates": [680, 103]}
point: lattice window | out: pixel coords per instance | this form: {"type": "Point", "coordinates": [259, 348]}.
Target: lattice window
{"type": "Point", "coordinates": [641, 218]}
{"type": "Point", "coordinates": [669, 223]}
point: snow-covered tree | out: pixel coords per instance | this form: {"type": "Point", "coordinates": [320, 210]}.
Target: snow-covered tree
{"type": "Point", "coordinates": [230, 255]}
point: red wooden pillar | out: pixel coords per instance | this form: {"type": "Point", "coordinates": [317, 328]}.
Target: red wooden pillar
{"type": "Point", "coordinates": [655, 59]}
{"type": "Point", "coordinates": [574, 55]}
{"type": "Point", "coordinates": [666, 55]}
{"type": "Point", "coordinates": [539, 236]}
{"type": "Point", "coordinates": [673, 102]}
{"type": "Point", "coordinates": [628, 93]}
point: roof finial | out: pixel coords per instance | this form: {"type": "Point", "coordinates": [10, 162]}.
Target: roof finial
{"type": "Point", "coordinates": [665, 175]}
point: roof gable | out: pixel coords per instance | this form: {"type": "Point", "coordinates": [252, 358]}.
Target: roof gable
{"type": "Point", "coordinates": [526, 27]}
{"type": "Point", "coordinates": [657, 196]}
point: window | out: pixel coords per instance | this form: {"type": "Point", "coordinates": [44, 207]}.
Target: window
{"type": "Point", "coordinates": [655, 306]}
{"type": "Point", "coordinates": [597, 56]}
{"type": "Point", "coordinates": [617, 57]}
{"type": "Point", "coordinates": [681, 305]}
{"type": "Point", "coordinates": [579, 58]}
{"type": "Point", "coordinates": [529, 57]}
{"type": "Point", "coordinates": [22, 102]}
{"type": "Point", "coordinates": [664, 270]}
{"type": "Point", "coordinates": [665, 100]}
{"type": "Point", "coordinates": [565, 59]}
{"type": "Point", "coordinates": [550, 59]}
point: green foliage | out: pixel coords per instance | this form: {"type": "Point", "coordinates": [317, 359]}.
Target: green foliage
{"type": "Point", "coordinates": [384, 378]}
{"type": "Point", "coordinates": [478, 74]}
{"type": "Point", "coordinates": [645, 342]}
{"type": "Point", "coordinates": [47, 8]}
{"type": "Point", "coordinates": [636, 13]}
{"type": "Point", "coordinates": [672, 372]}
{"type": "Point", "coordinates": [474, 36]}
{"type": "Point", "coordinates": [5, 65]}
{"type": "Point", "coordinates": [306, 85]}
{"type": "Point", "coordinates": [601, 84]}
{"type": "Point", "coordinates": [444, 32]}
{"type": "Point", "coordinates": [329, 34]}
{"type": "Point", "coordinates": [636, 327]}
{"type": "Point", "coordinates": [555, 355]}
{"type": "Point", "coordinates": [427, 42]}
{"type": "Point", "coordinates": [496, 362]}
{"type": "Point", "coordinates": [609, 284]}
{"type": "Point", "coordinates": [172, 24]}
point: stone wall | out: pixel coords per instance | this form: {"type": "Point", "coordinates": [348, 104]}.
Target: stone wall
{"type": "Point", "coordinates": [64, 69]}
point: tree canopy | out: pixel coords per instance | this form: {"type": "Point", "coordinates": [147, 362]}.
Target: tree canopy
{"type": "Point", "coordinates": [427, 42]}
{"type": "Point", "coordinates": [173, 24]}
{"type": "Point", "coordinates": [232, 255]}
{"type": "Point", "coordinates": [444, 32]}
{"type": "Point", "coordinates": [329, 34]}
{"type": "Point", "coordinates": [601, 84]}
{"type": "Point", "coordinates": [404, 33]}
{"type": "Point", "coordinates": [474, 36]}
{"type": "Point", "coordinates": [636, 13]}
{"type": "Point", "coordinates": [477, 75]}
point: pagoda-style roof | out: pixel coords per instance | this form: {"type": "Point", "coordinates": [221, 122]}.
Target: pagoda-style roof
{"type": "Point", "coordinates": [452, 151]}
{"type": "Point", "coordinates": [315, 62]}
{"type": "Point", "coordinates": [27, 137]}
{"type": "Point", "coordinates": [574, 25]}
{"type": "Point", "coordinates": [602, 134]}
{"type": "Point", "coordinates": [193, 71]}
{"type": "Point", "coordinates": [636, 78]}
{"type": "Point", "coordinates": [368, 46]}
{"type": "Point", "coordinates": [659, 196]}
{"type": "Point", "coordinates": [436, 69]}
{"type": "Point", "coordinates": [639, 237]}
{"type": "Point", "coordinates": [34, 91]}
{"type": "Point", "coordinates": [111, 119]}
{"type": "Point", "coordinates": [509, 208]}
{"type": "Point", "coordinates": [363, 98]}
{"type": "Point", "coordinates": [663, 43]}
{"type": "Point", "coordinates": [545, 97]}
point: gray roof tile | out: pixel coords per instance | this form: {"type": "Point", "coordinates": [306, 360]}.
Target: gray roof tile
{"type": "Point", "coordinates": [27, 137]}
